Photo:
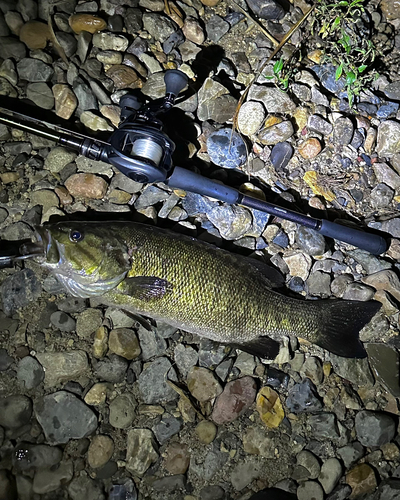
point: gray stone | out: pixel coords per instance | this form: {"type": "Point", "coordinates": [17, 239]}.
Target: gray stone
{"type": "Point", "coordinates": [310, 489]}
{"type": "Point", "coordinates": [122, 411]}
{"type": "Point", "coordinates": [343, 131]}
{"type": "Point", "coordinates": [311, 241]}
{"type": "Point", "coordinates": [232, 221]}
{"type": "Point", "coordinates": [303, 397]}
{"type": "Point", "coordinates": [63, 321]}
{"type": "Point", "coordinates": [213, 463]}
{"type": "Point", "coordinates": [88, 322]}
{"type": "Point", "coordinates": [324, 426]}
{"type": "Point", "coordinates": [374, 428]}
{"type": "Point", "coordinates": [63, 366]}
{"type": "Point", "coordinates": [15, 411]}
{"type": "Point", "coordinates": [110, 41]}
{"type": "Point", "coordinates": [273, 99]}
{"type": "Point", "coordinates": [213, 492]}
{"type": "Point", "coordinates": [251, 117]}
{"type": "Point", "coordinates": [85, 487]}
{"type": "Point", "coordinates": [355, 370]}
{"type": "Point", "coordinates": [358, 291]}
{"type": "Point", "coordinates": [150, 196]}
{"type": "Point", "coordinates": [58, 158]}
{"type": "Point", "coordinates": [310, 462]}
{"type": "Point", "coordinates": [327, 76]}
{"type": "Point", "coordinates": [170, 484]}
{"type": "Point", "coordinates": [281, 154]}
{"type": "Point", "coordinates": [185, 358]}
{"type": "Point", "coordinates": [381, 196]}
{"type": "Point", "coordinates": [318, 124]}
{"type": "Point", "coordinates": [386, 175]}
{"type": "Point", "coordinates": [63, 416]}
{"type": "Point", "coordinates": [384, 361]}
{"type": "Point", "coordinates": [112, 369]}
{"type": "Point", "coordinates": [12, 47]}
{"type": "Point", "coordinates": [331, 472]}
{"type": "Point", "coordinates": [226, 148]}
{"type": "Point", "coordinates": [28, 456]}
{"type": "Point", "coordinates": [277, 133]}
{"type": "Point", "coordinates": [5, 360]}
{"type": "Point", "coordinates": [167, 427]}
{"type": "Point", "coordinates": [86, 99]}
{"type": "Point", "coordinates": [216, 28]}
{"type": "Point", "coordinates": [267, 9]}
{"type": "Point", "coordinates": [152, 382]}
{"type": "Point", "coordinates": [30, 372]}
{"type": "Point", "coordinates": [19, 289]}
{"type": "Point", "coordinates": [34, 70]}
{"type": "Point", "coordinates": [244, 473]}
{"type": "Point", "coordinates": [351, 454]}
{"type": "Point", "coordinates": [319, 284]}
{"type": "Point", "coordinates": [392, 91]}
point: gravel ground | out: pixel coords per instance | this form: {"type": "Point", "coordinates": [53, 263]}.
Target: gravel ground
{"type": "Point", "coordinates": [86, 409]}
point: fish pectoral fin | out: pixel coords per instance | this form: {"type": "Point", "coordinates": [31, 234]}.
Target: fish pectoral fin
{"type": "Point", "coordinates": [263, 347]}
{"type": "Point", "coordinates": [146, 287]}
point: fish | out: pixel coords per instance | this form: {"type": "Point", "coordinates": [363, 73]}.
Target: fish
{"type": "Point", "coordinates": [194, 286]}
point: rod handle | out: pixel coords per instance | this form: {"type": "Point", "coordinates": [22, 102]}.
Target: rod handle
{"type": "Point", "coordinates": [372, 243]}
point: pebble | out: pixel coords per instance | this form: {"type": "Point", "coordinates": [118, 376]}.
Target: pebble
{"type": "Point", "coordinates": [86, 186]}
{"type": "Point", "coordinates": [312, 242]}
{"type": "Point", "coordinates": [152, 382]}
{"type": "Point", "coordinates": [141, 451]}
{"type": "Point", "coordinates": [152, 343]}
{"type": "Point", "coordinates": [29, 457]}
{"type": "Point", "coordinates": [177, 458]}
{"type": "Point", "coordinates": [202, 384]}
{"type": "Point", "coordinates": [193, 31]}
{"type": "Point", "coordinates": [63, 321]}
{"type": "Point", "coordinates": [185, 358]}
{"type": "Point", "coordinates": [312, 368]}
{"type": "Point", "coordinates": [274, 100]}
{"type": "Point", "coordinates": [310, 489]}
{"type": "Point", "coordinates": [30, 373]}
{"type": "Point", "coordinates": [281, 154]}
{"type": "Point", "coordinates": [331, 472]}
{"type": "Point", "coordinates": [277, 133]}
{"type": "Point", "coordinates": [299, 264]}
{"type": "Point", "coordinates": [110, 41]}
{"type": "Point", "coordinates": [100, 451]}
{"type": "Point", "coordinates": [310, 462]}
{"type": "Point", "coordinates": [61, 367]}
{"type": "Point", "coordinates": [21, 288]}
{"type": "Point", "coordinates": [269, 407]}
{"type": "Point", "coordinates": [123, 341]}
{"type": "Point", "coordinates": [34, 70]}
{"type": "Point", "coordinates": [48, 480]}
{"type": "Point", "coordinates": [310, 148]}
{"type": "Point", "coordinates": [112, 369]}
{"type": "Point", "coordinates": [65, 100]}
{"type": "Point", "coordinates": [15, 411]}
{"type": "Point", "coordinates": [303, 397]}
{"type": "Point", "coordinates": [355, 370]}
{"type": "Point", "coordinates": [97, 394]}
{"type": "Point", "coordinates": [384, 280]}
{"type": "Point", "coordinates": [362, 480]}
{"type": "Point", "coordinates": [244, 473]}
{"type": "Point", "coordinates": [226, 148]}
{"type": "Point", "coordinates": [63, 416]}
{"type": "Point", "coordinates": [5, 360]}
{"type": "Point", "coordinates": [166, 428]}
{"type": "Point", "coordinates": [235, 399]}
{"type": "Point", "coordinates": [216, 28]}
{"type": "Point", "coordinates": [250, 118]}
{"type": "Point", "coordinates": [86, 22]}
{"type": "Point", "coordinates": [386, 175]}
{"type": "Point", "coordinates": [34, 35]}
{"type": "Point", "coordinates": [122, 411]}
{"type": "Point", "coordinates": [388, 139]}
{"type": "Point", "coordinates": [343, 131]}
{"type": "Point", "coordinates": [374, 428]}
{"type": "Point", "coordinates": [384, 361]}
{"type": "Point", "coordinates": [124, 77]}
{"type": "Point", "coordinates": [88, 322]}
{"type": "Point", "coordinates": [206, 431]}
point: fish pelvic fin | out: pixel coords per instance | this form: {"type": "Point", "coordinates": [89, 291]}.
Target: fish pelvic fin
{"type": "Point", "coordinates": [263, 347]}
{"type": "Point", "coordinates": [341, 322]}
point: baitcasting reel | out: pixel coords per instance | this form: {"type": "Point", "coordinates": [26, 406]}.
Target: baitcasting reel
{"type": "Point", "coordinates": [143, 152]}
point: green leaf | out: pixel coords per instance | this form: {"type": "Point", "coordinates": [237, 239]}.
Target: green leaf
{"type": "Point", "coordinates": [362, 68]}
{"type": "Point", "coordinates": [350, 77]}
{"type": "Point", "coordinates": [339, 71]}
{"type": "Point", "coordinates": [278, 66]}
{"type": "Point", "coordinates": [336, 23]}
{"type": "Point", "coordinates": [269, 77]}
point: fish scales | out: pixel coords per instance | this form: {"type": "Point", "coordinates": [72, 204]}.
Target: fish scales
{"type": "Point", "coordinates": [194, 286]}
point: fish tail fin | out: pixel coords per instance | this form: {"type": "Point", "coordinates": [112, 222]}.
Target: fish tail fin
{"type": "Point", "coordinates": [340, 325]}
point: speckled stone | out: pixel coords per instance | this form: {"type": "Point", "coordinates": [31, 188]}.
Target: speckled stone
{"type": "Point", "coordinates": [86, 186]}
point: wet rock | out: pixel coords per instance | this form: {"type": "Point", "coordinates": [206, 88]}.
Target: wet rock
{"type": "Point", "coordinates": [327, 76]}
{"type": "Point", "coordinates": [110, 41]}
{"type": "Point", "coordinates": [281, 154]}
{"type": "Point", "coordinates": [34, 70]}
{"type": "Point", "coordinates": [311, 241]}
{"type": "Point", "coordinates": [309, 461]}
{"type": "Point", "coordinates": [30, 373]}
{"type": "Point", "coordinates": [343, 131]}
{"type": "Point", "coordinates": [310, 489]}
{"type": "Point", "coordinates": [151, 343]}
{"type": "Point", "coordinates": [356, 371]}
{"type": "Point", "coordinates": [61, 367]}
{"type": "Point", "coordinates": [63, 321]}
{"type": "Point", "coordinates": [267, 9]}
{"type": "Point", "coordinates": [386, 175]}
{"type": "Point", "coordinates": [226, 148]}
{"type": "Point", "coordinates": [331, 472]}
{"type": "Point", "coordinates": [65, 100]}
{"type": "Point", "coordinates": [277, 133]}
{"type": "Point", "coordinates": [63, 416]}
{"type": "Point", "coordinates": [86, 22]}
{"type": "Point", "coordinates": [388, 140]}
{"type": "Point", "coordinates": [374, 428]}
{"type": "Point", "coordinates": [362, 480]}
{"type": "Point", "coordinates": [152, 382]}
{"type": "Point", "coordinates": [100, 451]}
{"type": "Point", "coordinates": [384, 361]}
{"type": "Point", "coordinates": [19, 289]}
{"type": "Point", "coordinates": [244, 473]}
{"type": "Point", "coordinates": [85, 487]}
{"type": "Point", "coordinates": [15, 411]}
{"type": "Point", "coordinates": [86, 186]}
{"type": "Point", "coordinates": [159, 27]}
{"type": "Point", "coordinates": [236, 398]}
{"type": "Point", "coordinates": [202, 384]}
{"type": "Point", "coordinates": [231, 221]}
{"type": "Point", "coordinates": [303, 397]}
{"type": "Point", "coordinates": [28, 456]}
{"type": "Point", "coordinates": [206, 431]}
{"type": "Point", "coordinates": [166, 428]}
{"type": "Point", "coordinates": [122, 411]}
{"type": "Point", "coordinates": [274, 100]}
{"type": "Point", "coordinates": [299, 264]}
{"type": "Point", "coordinates": [141, 451]}
{"type": "Point", "coordinates": [123, 342]}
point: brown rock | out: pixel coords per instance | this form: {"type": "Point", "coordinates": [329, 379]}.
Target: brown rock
{"type": "Point", "coordinates": [100, 451]}
{"type": "Point", "coordinates": [87, 22]}
{"type": "Point", "coordinates": [124, 77]}
{"type": "Point", "coordinates": [210, 3]}
{"type": "Point", "coordinates": [193, 31]}
{"type": "Point", "coordinates": [123, 341]}
{"type": "Point", "coordinates": [177, 458]}
{"type": "Point", "coordinates": [361, 479]}
{"type": "Point", "coordinates": [310, 148]}
{"type": "Point", "coordinates": [34, 35]}
{"type": "Point", "coordinates": [65, 100]}
{"type": "Point", "coordinates": [202, 384]}
{"type": "Point", "coordinates": [237, 397]}
{"type": "Point", "coordinates": [391, 9]}
{"type": "Point", "coordinates": [86, 186]}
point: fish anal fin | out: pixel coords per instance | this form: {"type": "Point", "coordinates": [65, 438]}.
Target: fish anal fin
{"type": "Point", "coordinates": [263, 347]}
{"type": "Point", "coordinates": [146, 287]}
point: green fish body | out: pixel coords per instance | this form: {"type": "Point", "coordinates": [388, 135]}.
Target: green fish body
{"type": "Point", "coordinates": [194, 286]}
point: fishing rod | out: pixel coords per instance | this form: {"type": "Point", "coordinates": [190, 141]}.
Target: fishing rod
{"type": "Point", "coordinates": [141, 150]}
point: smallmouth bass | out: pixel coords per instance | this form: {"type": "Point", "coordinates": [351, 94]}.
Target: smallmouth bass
{"type": "Point", "coordinates": [194, 286]}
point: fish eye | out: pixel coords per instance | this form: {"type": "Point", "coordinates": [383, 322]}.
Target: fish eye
{"type": "Point", "coordinates": [75, 235]}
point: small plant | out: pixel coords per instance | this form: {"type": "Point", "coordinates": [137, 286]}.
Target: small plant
{"type": "Point", "coordinates": [281, 77]}
{"type": "Point", "coordinates": [340, 25]}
